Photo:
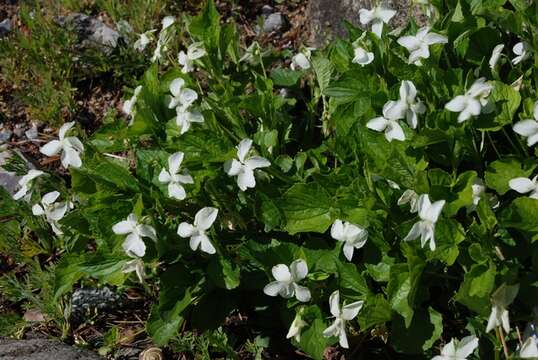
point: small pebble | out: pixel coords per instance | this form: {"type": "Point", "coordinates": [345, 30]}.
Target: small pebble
{"type": "Point", "coordinates": [267, 10]}
{"type": "Point", "coordinates": [31, 133]}
{"type": "Point", "coordinates": [19, 130]}
{"type": "Point", "coordinates": [5, 135]}
{"type": "Point", "coordinates": [274, 22]}
{"type": "Point", "coordinates": [5, 26]}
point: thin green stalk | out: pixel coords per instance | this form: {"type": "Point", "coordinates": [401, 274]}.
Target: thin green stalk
{"type": "Point", "coordinates": [476, 148]}
{"type": "Point", "coordinates": [517, 149]}
{"type": "Point", "coordinates": [263, 66]}
{"type": "Point", "coordinates": [493, 145]}
{"type": "Point", "coordinates": [276, 173]}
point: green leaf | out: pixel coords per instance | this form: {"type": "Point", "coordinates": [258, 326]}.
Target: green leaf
{"type": "Point", "coordinates": [500, 172]}
{"type": "Point", "coordinates": [508, 98]}
{"type": "Point", "coordinates": [118, 175]}
{"type": "Point", "coordinates": [107, 175]}
{"type": "Point", "coordinates": [437, 320]}
{"type": "Point", "coordinates": [486, 214]}
{"type": "Point", "coordinates": [163, 325]}
{"type": "Point", "coordinates": [323, 69]}
{"type": "Point", "coordinates": [477, 284]}
{"type": "Point", "coordinates": [507, 101]}
{"type": "Point", "coordinates": [175, 296]}
{"type": "Point", "coordinates": [269, 213]}
{"type": "Point", "coordinates": [521, 214]}
{"type": "Point", "coordinates": [404, 283]}
{"type": "Point", "coordinates": [398, 290]}
{"type": "Point", "coordinates": [66, 274]}
{"type": "Point", "coordinates": [448, 234]}
{"type": "Point", "coordinates": [376, 311]}
{"type": "Point", "coordinates": [479, 6]}
{"type": "Point", "coordinates": [381, 272]}
{"type": "Point", "coordinates": [419, 336]}
{"type": "Point", "coordinates": [306, 208]}
{"type": "Point", "coordinates": [312, 340]}
{"type": "Point", "coordinates": [213, 308]}
{"type": "Point", "coordinates": [285, 77]}
{"type": "Point", "coordinates": [351, 282]}
{"type": "Point", "coordinates": [481, 44]}
{"type": "Point", "coordinates": [224, 273]}
{"type": "Point", "coordinates": [463, 192]}
{"type": "Point", "coordinates": [148, 163]}
{"type": "Point", "coordinates": [73, 267]}
{"type": "Point", "coordinates": [205, 25]}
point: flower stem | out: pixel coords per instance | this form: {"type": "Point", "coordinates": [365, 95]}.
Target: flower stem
{"type": "Point", "coordinates": [516, 148]}
{"type": "Point", "coordinates": [503, 341]}
{"type": "Point", "coordinates": [493, 145]}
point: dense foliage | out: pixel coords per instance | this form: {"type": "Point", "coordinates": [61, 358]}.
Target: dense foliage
{"type": "Point", "coordinates": [308, 188]}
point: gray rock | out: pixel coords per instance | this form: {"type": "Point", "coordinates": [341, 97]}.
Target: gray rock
{"type": "Point", "coordinates": [8, 180]}
{"type": "Point", "coordinates": [90, 30]}
{"type": "Point", "coordinates": [274, 22]}
{"type": "Point", "coordinates": [326, 17]}
{"type": "Point", "coordinates": [267, 10]}
{"type": "Point", "coordinates": [5, 135]}
{"type": "Point", "coordinates": [31, 133]}
{"type": "Point", "coordinates": [42, 349]}
{"type": "Point", "coordinates": [19, 130]}
{"type": "Point", "coordinates": [87, 301]}
{"type": "Point", "coordinates": [5, 27]}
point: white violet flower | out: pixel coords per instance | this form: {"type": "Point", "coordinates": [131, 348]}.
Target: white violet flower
{"type": "Point", "coordinates": [185, 117]}
{"type": "Point", "coordinates": [458, 350]}
{"type": "Point", "coordinates": [419, 45]}
{"type": "Point", "coordinates": [167, 21]}
{"type": "Point", "coordinates": [286, 279]}
{"type": "Point", "coordinates": [136, 265]}
{"type": "Point", "coordinates": [409, 197]}
{"type": "Point", "coordinates": [164, 38]}
{"type": "Point", "coordinates": [203, 220]}
{"type": "Point", "coordinates": [529, 349]}
{"type": "Point", "coordinates": [129, 105]}
{"type": "Point", "coordinates": [353, 236]}
{"type": "Point", "coordinates": [144, 40]}
{"type": "Point", "coordinates": [53, 211]}
{"type": "Point", "coordinates": [521, 50]}
{"type": "Point", "coordinates": [387, 124]}
{"type": "Point", "coordinates": [69, 147]}
{"type": "Point", "coordinates": [529, 127]}
{"type": "Point", "coordinates": [478, 189]}
{"type": "Point", "coordinates": [181, 95]}
{"type": "Point", "coordinates": [495, 55]}
{"type": "Point", "coordinates": [301, 60]}
{"type": "Point", "coordinates": [194, 52]}
{"type": "Point", "coordinates": [134, 245]}
{"type": "Point", "coordinates": [174, 178]}
{"type": "Point", "coordinates": [523, 186]}
{"type": "Point", "coordinates": [362, 56]}
{"type": "Point", "coordinates": [244, 166]}
{"type": "Point", "coordinates": [377, 16]}
{"type": "Point", "coordinates": [425, 227]}
{"type": "Point", "coordinates": [25, 183]}
{"type": "Point", "coordinates": [408, 106]}
{"type": "Point", "coordinates": [182, 99]}
{"type": "Point", "coordinates": [501, 298]}
{"type": "Point", "coordinates": [341, 315]}
{"type": "Point", "coordinates": [472, 102]}
{"type": "Point", "coordinates": [295, 328]}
